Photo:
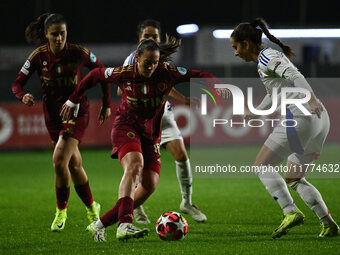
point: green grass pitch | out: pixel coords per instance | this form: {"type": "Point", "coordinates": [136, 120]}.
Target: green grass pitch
{"type": "Point", "coordinates": [241, 214]}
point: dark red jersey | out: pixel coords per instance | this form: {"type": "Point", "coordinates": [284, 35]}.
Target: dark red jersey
{"type": "Point", "coordinates": [143, 98]}
{"type": "Point", "coordinates": [59, 76]}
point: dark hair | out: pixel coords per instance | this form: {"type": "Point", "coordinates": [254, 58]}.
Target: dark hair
{"type": "Point", "coordinates": [166, 49]}
{"type": "Point", "coordinates": [148, 23]}
{"type": "Point", "coordinates": [250, 32]}
{"type": "Point", "coordinates": [35, 32]}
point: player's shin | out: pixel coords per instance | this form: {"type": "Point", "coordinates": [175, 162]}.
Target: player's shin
{"type": "Point", "coordinates": [277, 188]}
{"type": "Point", "coordinates": [313, 199]}
{"type": "Point", "coordinates": [184, 175]}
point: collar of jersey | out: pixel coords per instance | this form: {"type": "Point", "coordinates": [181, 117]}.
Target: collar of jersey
{"type": "Point", "coordinates": [63, 53]}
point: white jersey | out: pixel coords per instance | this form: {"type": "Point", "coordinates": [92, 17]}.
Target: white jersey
{"type": "Point", "coordinates": [301, 144]}
{"type": "Point", "coordinates": [276, 71]}
{"type": "Point", "coordinates": [170, 130]}
{"type": "Point", "coordinates": [130, 60]}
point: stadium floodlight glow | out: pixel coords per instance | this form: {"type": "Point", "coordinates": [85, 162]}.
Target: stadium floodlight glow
{"type": "Point", "coordinates": [187, 29]}
{"type": "Point", "coordinates": [289, 33]}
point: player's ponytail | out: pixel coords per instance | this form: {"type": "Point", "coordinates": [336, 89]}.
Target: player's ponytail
{"type": "Point", "coordinates": [35, 32]}
{"type": "Point", "coordinates": [261, 23]}
{"type": "Point", "coordinates": [251, 32]}
{"type": "Point", "coordinates": [168, 48]}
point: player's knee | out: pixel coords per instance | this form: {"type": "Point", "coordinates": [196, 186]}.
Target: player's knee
{"type": "Point", "coordinates": [150, 186]}
{"type": "Point", "coordinates": [75, 167]}
{"type": "Point", "coordinates": [59, 163]}
{"type": "Point", "coordinates": [135, 169]}
{"type": "Point", "coordinates": [181, 156]}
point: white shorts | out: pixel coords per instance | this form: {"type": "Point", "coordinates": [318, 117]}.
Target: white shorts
{"type": "Point", "coordinates": [170, 130]}
{"type": "Point", "coordinates": [301, 144]}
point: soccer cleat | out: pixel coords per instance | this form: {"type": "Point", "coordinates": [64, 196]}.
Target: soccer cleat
{"type": "Point", "coordinates": [193, 210]}
{"type": "Point", "coordinates": [330, 230]}
{"type": "Point", "coordinates": [93, 212]}
{"type": "Point", "coordinates": [98, 234]}
{"type": "Point", "coordinates": [58, 223]}
{"type": "Point", "coordinates": [126, 231]}
{"type": "Point", "coordinates": [290, 220]}
{"type": "Point", "coordinates": [140, 215]}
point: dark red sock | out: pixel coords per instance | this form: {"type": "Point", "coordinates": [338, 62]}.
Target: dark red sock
{"type": "Point", "coordinates": [84, 192]}
{"type": "Point", "coordinates": [125, 212]}
{"type": "Point", "coordinates": [111, 216]}
{"type": "Point", "coordinates": [63, 194]}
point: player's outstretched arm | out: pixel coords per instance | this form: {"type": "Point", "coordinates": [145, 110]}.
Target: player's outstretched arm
{"type": "Point", "coordinates": [104, 114]}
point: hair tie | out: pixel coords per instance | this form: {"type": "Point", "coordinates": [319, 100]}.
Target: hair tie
{"type": "Point", "coordinates": [48, 17]}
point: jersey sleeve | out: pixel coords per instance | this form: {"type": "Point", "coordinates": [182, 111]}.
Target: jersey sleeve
{"type": "Point", "coordinates": [130, 60]}
{"type": "Point", "coordinates": [24, 74]}
{"type": "Point", "coordinates": [97, 75]}
{"type": "Point", "coordinates": [279, 64]}
{"type": "Point", "coordinates": [182, 74]}
{"type": "Point", "coordinates": [91, 62]}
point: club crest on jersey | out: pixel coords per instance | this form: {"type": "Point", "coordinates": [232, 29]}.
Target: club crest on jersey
{"type": "Point", "coordinates": [131, 134]}
{"type": "Point", "coordinates": [93, 58]}
{"type": "Point", "coordinates": [276, 65]}
{"type": "Point", "coordinates": [182, 70]}
{"type": "Point", "coordinates": [145, 89]}
{"type": "Point", "coordinates": [128, 88]}
{"type": "Point", "coordinates": [161, 86]}
{"type": "Point", "coordinates": [261, 75]}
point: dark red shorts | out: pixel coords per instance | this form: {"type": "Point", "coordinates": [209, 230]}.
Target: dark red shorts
{"type": "Point", "coordinates": [125, 139]}
{"type": "Point", "coordinates": [74, 128]}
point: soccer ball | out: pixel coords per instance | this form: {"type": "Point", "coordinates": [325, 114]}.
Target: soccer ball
{"type": "Point", "coordinates": [171, 226]}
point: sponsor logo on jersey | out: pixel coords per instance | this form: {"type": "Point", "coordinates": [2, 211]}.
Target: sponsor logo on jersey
{"type": "Point", "coordinates": [93, 58]}
{"type": "Point", "coordinates": [145, 102]}
{"type": "Point", "coordinates": [108, 72]}
{"type": "Point", "coordinates": [60, 81]}
{"type": "Point", "coordinates": [27, 64]}
{"type": "Point", "coordinates": [161, 86]}
{"type": "Point", "coordinates": [182, 70]}
{"type": "Point", "coordinates": [131, 134]}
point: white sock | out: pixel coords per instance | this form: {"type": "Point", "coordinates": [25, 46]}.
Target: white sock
{"type": "Point", "coordinates": [184, 176]}
{"type": "Point", "coordinates": [98, 224]}
{"type": "Point", "coordinates": [313, 199]}
{"type": "Point", "coordinates": [277, 188]}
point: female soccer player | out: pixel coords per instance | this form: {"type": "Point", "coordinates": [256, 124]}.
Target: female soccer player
{"type": "Point", "coordinates": [171, 137]}
{"type": "Point", "coordinates": [137, 128]}
{"type": "Point", "coordinates": [59, 66]}
{"type": "Point", "coordinates": [301, 144]}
